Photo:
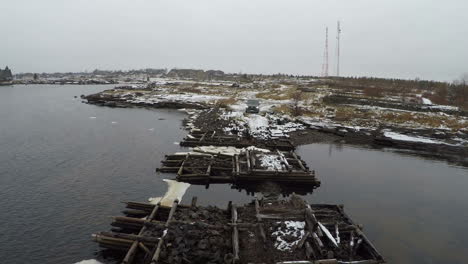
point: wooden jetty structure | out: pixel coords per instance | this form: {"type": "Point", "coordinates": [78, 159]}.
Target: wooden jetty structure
{"type": "Point", "coordinates": [212, 138]}
{"type": "Point", "coordinates": [247, 166]}
{"type": "Point", "coordinates": [282, 231]}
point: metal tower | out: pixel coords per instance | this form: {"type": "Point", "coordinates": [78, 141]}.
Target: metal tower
{"type": "Point", "coordinates": [325, 56]}
{"type": "Point", "coordinates": [338, 32]}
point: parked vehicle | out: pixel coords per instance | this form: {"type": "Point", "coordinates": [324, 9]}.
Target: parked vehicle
{"type": "Point", "coordinates": [253, 106]}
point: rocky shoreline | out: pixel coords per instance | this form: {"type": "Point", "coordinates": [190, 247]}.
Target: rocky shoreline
{"type": "Point", "coordinates": [435, 144]}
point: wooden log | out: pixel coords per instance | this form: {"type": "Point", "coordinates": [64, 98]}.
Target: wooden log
{"type": "Point", "coordinates": [299, 161]}
{"type": "Point", "coordinates": [142, 246]}
{"type": "Point", "coordinates": [134, 212]}
{"type": "Point", "coordinates": [157, 254]}
{"type": "Point", "coordinates": [171, 213]}
{"type": "Point", "coordinates": [132, 251]}
{"type": "Point", "coordinates": [372, 250]}
{"type": "Point", "coordinates": [203, 137]}
{"type": "Point", "coordinates": [303, 240]}
{"type": "Point", "coordinates": [310, 253]}
{"type": "Point", "coordinates": [140, 238]}
{"type": "Point", "coordinates": [257, 210]}
{"type": "Point", "coordinates": [235, 234]}
{"type": "Point", "coordinates": [181, 169]}
{"type": "Point", "coordinates": [319, 243]}
{"type": "Point", "coordinates": [111, 240]}
{"type": "Point", "coordinates": [280, 217]}
{"type": "Point", "coordinates": [262, 233]}
{"type": "Point", "coordinates": [248, 160]}
{"type": "Point", "coordinates": [194, 202]}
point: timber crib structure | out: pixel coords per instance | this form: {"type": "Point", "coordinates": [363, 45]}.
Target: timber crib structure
{"type": "Point", "coordinates": [253, 233]}
{"type": "Point", "coordinates": [267, 230]}
{"type": "Point", "coordinates": [211, 138]}
{"type": "Point", "coordinates": [248, 166]}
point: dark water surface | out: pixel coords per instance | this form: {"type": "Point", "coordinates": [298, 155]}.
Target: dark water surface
{"type": "Point", "coordinates": [63, 174]}
{"type": "Point", "coordinates": [413, 210]}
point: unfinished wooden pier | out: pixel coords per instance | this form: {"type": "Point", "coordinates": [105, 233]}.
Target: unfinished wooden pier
{"type": "Point", "coordinates": [211, 138]}
{"type": "Point", "coordinates": [247, 166]}
{"type": "Point", "coordinates": [282, 231]}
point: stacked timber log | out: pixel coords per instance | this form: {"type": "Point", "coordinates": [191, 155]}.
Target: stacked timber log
{"type": "Point", "coordinates": [248, 166]}
{"type": "Point", "coordinates": [212, 138]}
{"type": "Point", "coordinates": [286, 231]}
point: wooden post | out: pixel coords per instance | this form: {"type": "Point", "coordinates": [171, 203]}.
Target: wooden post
{"type": "Point", "coordinates": [298, 161]}
{"type": "Point", "coordinates": [248, 160]}
{"type": "Point", "coordinates": [235, 234]}
{"type": "Point", "coordinates": [257, 210]}
{"type": "Point", "coordinates": [155, 258]}
{"type": "Point", "coordinates": [132, 251]}
{"type": "Point", "coordinates": [194, 202]}
{"type": "Point", "coordinates": [310, 251]}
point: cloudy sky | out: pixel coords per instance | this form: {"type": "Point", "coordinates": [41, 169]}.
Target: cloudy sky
{"type": "Point", "coordinates": [385, 38]}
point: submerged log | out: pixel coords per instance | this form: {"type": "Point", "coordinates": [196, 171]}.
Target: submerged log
{"type": "Point", "coordinates": [235, 234]}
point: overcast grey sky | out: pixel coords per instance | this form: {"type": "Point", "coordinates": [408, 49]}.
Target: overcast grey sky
{"type": "Point", "coordinates": [386, 38]}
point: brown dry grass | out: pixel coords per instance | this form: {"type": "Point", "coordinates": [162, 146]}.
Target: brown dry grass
{"type": "Point", "coordinates": [425, 120]}
{"type": "Point", "coordinates": [224, 103]}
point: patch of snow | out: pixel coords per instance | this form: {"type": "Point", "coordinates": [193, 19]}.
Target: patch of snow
{"type": "Point", "coordinates": [175, 191]}
{"type": "Point", "coordinates": [226, 150]}
{"type": "Point", "coordinates": [257, 123]}
{"type": "Point", "coordinates": [89, 261]}
{"type": "Point", "coordinates": [426, 101]}
{"type": "Point", "coordinates": [398, 136]}
{"type": "Point", "coordinates": [293, 228]}
{"type": "Point", "coordinates": [271, 162]}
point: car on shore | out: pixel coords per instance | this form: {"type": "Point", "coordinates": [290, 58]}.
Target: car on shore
{"type": "Point", "coordinates": [253, 106]}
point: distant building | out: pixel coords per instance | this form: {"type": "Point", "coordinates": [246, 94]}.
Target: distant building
{"type": "Point", "coordinates": [6, 75]}
{"type": "Point", "coordinates": [195, 74]}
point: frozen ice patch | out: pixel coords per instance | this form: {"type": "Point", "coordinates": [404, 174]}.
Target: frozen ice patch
{"type": "Point", "coordinates": [175, 191]}
{"type": "Point", "coordinates": [89, 261]}
{"type": "Point", "coordinates": [398, 136]}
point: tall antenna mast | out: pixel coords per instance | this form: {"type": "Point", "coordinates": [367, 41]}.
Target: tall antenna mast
{"type": "Point", "coordinates": [325, 56]}
{"type": "Point", "coordinates": [338, 32]}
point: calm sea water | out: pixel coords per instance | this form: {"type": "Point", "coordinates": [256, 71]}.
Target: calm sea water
{"type": "Point", "coordinates": [65, 166]}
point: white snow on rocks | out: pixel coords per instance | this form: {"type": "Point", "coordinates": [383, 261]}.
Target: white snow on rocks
{"type": "Point", "coordinates": [426, 101]}
{"type": "Point", "coordinates": [293, 229]}
{"type": "Point", "coordinates": [230, 151]}
{"type": "Point", "coordinates": [398, 136]}
{"type": "Point", "coordinates": [271, 162]}
{"type": "Point", "coordinates": [257, 123]}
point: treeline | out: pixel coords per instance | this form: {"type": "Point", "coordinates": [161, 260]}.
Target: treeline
{"type": "Point", "coordinates": [455, 93]}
